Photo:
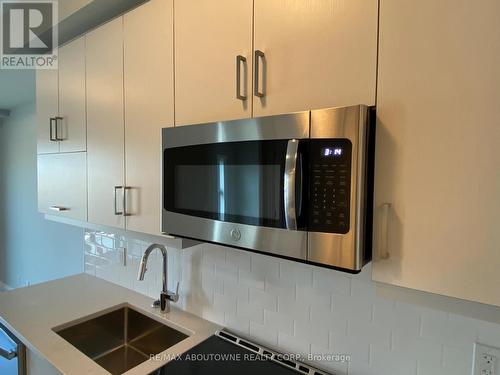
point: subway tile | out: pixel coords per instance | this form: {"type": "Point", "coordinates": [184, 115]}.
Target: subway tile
{"type": "Point", "coordinates": [488, 333]}
{"type": "Point", "coordinates": [311, 332]}
{"type": "Point", "coordinates": [251, 279]}
{"type": "Point", "coordinates": [294, 308]}
{"type": "Point", "coordinates": [385, 363]}
{"type": "Point", "coordinates": [293, 345]}
{"type": "Point", "coordinates": [224, 303]}
{"type": "Point", "coordinates": [418, 348]}
{"type": "Point", "coordinates": [344, 345]}
{"type": "Point", "coordinates": [296, 272]}
{"type": "Point", "coordinates": [226, 273]}
{"type": "Point", "coordinates": [352, 308]}
{"type": "Point", "coordinates": [371, 333]}
{"type": "Point", "coordinates": [214, 254]}
{"type": "Point", "coordinates": [457, 360]}
{"type": "Point", "coordinates": [263, 266]}
{"type": "Point", "coordinates": [236, 290]}
{"type": "Point", "coordinates": [266, 335]}
{"type": "Point", "coordinates": [250, 311]}
{"type": "Point", "coordinates": [210, 282]}
{"type": "Point", "coordinates": [328, 320]}
{"type": "Point", "coordinates": [280, 287]}
{"type": "Point", "coordinates": [237, 324]}
{"type": "Point", "coordinates": [280, 322]}
{"type": "Point", "coordinates": [300, 308]}
{"type": "Point", "coordinates": [314, 297]}
{"type": "Point", "coordinates": [447, 329]}
{"type": "Point", "coordinates": [263, 299]}
{"type": "Point", "coordinates": [331, 281]}
{"type": "Point", "coordinates": [239, 258]}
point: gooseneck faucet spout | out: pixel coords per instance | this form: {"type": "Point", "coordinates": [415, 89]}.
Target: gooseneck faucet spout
{"type": "Point", "coordinates": [165, 296]}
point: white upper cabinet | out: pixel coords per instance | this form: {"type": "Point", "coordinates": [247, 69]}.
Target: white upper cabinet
{"type": "Point", "coordinates": [72, 122]}
{"type": "Point", "coordinates": [62, 185]}
{"type": "Point", "coordinates": [213, 42]}
{"type": "Point", "coordinates": [60, 98]}
{"type": "Point", "coordinates": [105, 124]}
{"type": "Point", "coordinates": [314, 54]}
{"type": "Point", "coordinates": [149, 106]}
{"type": "Point", "coordinates": [438, 153]}
{"type": "Point", "coordinates": [46, 110]}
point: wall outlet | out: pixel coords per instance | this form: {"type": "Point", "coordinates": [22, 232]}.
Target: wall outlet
{"type": "Point", "coordinates": [486, 360]}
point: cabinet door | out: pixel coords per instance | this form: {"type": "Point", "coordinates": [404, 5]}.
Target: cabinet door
{"type": "Point", "coordinates": [209, 35]}
{"type": "Point", "coordinates": [105, 127]}
{"type": "Point", "coordinates": [62, 185]}
{"type": "Point", "coordinates": [437, 148]}
{"type": "Point", "coordinates": [46, 109]}
{"type": "Point", "coordinates": [317, 54]}
{"type": "Point", "coordinates": [149, 106]}
{"type": "Point", "coordinates": [72, 96]}
{"type": "Point", "coordinates": [37, 365]}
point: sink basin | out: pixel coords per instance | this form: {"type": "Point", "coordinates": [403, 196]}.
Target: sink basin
{"type": "Point", "coordinates": [121, 339]}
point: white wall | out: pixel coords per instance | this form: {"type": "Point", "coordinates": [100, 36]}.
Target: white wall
{"type": "Point", "coordinates": [32, 249]}
{"type": "Point", "coordinates": [300, 308]}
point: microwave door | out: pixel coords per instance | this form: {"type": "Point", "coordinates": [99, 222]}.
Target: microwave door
{"type": "Point", "coordinates": [243, 194]}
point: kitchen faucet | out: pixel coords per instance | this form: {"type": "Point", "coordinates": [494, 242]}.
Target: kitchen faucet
{"type": "Point", "coordinates": [165, 295]}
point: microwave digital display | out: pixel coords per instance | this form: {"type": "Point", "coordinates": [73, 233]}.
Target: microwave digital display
{"type": "Point", "coordinates": [332, 152]}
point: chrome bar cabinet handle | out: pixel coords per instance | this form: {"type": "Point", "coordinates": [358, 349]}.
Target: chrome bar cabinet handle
{"type": "Point", "coordinates": [240, 60]}
{"type": "Point", "coordinates": [289, 184]}
{"type": "Point", "coordinates": [115, 189]}
{"type": "Point", "coordinates": [58, 208]}
{"type": "Point", "coordinates": [383, 246]}
{"type": "Point", "coordinates": [259, 55]}
{"type": "Point", "coordinates": [51, 136]}
{"type": "Point", "coordinates": [56, 120]}
{"type": "Point", "coordinates": [124, 202]}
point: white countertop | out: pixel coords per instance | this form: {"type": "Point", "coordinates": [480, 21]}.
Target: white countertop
{"type": "Point", "coordinates": [31, 313]}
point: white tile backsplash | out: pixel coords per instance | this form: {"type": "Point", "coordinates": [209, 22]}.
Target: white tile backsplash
{"type": "Point", "coordinates": [299, 308]}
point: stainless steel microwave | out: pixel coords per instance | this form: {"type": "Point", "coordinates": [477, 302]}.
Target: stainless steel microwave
{"type": "Point", "coordinates": [296, 186]}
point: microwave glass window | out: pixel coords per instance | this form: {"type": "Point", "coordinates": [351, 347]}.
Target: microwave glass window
{"type": "Point", "coordinates": [238, 182]}
{"type": "Point", "coordinates": [218, 190]}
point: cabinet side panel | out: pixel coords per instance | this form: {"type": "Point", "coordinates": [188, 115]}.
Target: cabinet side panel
{"type": "Point", "coordinates": [438, 159]}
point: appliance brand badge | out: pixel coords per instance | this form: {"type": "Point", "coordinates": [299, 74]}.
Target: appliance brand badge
{"type": "Point", "coordinates": [29, 37]}
{"type": "Point", "coordinates": [235, 234]}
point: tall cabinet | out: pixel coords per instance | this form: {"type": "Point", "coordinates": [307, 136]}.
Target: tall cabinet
{"type": "Point", "coordinates": [60, 102]}
{"type": "Point", "coordinates": [129, 99]}
{"type": "Point", "coordinates": [105, 125]}
{"type": "Point", "coordinates": [437, 165]}
{"type": "Point", "coordinates": [149, 106]}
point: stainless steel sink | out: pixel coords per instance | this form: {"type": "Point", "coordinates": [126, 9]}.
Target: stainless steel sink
{"type": "Point", "coordinates": [121, 339]}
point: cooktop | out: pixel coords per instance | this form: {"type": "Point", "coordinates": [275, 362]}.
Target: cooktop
{"type": "Point", "coordinates": [227, 354]}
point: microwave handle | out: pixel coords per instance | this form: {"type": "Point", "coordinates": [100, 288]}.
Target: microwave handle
{"type": "Point", "coordinates": [289, 184]}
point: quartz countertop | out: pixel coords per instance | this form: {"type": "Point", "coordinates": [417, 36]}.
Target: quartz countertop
{"type": "Point", "coordinates": [31, 313]}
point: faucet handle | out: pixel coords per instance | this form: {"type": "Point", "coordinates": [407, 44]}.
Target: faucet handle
{"type": "Point", "coordinates": [174, 296]}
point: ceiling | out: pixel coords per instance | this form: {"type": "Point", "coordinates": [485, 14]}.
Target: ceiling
{"type": "Point", "coordinates": [17, 87]}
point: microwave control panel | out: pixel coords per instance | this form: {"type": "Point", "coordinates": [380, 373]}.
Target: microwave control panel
{"type": "Point", "coordinates": [330, 184]}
